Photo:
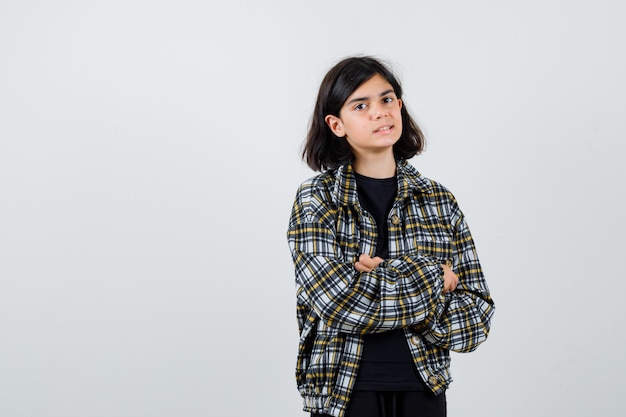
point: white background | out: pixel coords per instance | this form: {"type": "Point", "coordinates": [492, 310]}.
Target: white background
{"type": "Point", "coordinates": [149, 156]}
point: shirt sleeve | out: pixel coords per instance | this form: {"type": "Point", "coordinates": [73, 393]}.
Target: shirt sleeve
{"type": "Point", "coordinates": [462, 319]}
{"type": "Point", "coordinates": [399, 293]}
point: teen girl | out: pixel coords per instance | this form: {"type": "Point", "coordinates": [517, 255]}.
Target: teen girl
{"type": "Point", "coordinates": [387, 277]}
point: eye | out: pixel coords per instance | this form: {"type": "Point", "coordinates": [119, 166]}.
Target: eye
{"type": "Point", "coordinates": [360, 106]}
{"type": "Point", "coordinates": [387, 100]}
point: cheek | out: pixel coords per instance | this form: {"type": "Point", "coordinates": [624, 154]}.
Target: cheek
{"type": "Point", "coordinates": [398, 119]}
{"type": "Point", "coordinates": [398, 127]}
{"type": "Point", "coordinates": [356, 126]}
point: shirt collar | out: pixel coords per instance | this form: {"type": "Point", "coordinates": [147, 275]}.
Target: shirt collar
{"type": "Point", "coordinates": [410, 182]}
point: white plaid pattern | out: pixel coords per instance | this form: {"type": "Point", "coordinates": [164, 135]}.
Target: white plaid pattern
{"type": "Point", "coordinates": [336, 305]}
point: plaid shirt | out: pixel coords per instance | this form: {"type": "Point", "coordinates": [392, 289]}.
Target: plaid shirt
{"type": "Point", "coordinates": [336, 305]}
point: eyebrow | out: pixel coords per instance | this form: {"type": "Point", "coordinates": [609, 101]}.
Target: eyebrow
{"type": "Point", "coordinates": [384, 93]}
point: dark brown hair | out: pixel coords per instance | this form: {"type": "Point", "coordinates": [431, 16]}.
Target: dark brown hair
{"type": "Point", "coordinates": [323, 149]}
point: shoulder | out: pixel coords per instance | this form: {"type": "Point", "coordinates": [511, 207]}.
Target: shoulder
{"type": "Point", "coordinates": [438, 190]}
{"type": "Point", "coordinates": [318, 194]}
{"type": "Point", "coordinates": [425, 185]}
{"type": "Point", "coordinates": [319, 184]}
{"type": "Point", "coordinates": [315, 199]}
{"type": "Point", "coordinates": [432, 193]}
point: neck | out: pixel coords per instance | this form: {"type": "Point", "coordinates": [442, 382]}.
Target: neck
{"type": "Point", "coordinates": [383, 166]}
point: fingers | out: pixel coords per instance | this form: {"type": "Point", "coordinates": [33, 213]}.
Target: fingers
{"type": "Point", "coordinates": [369, 261]}
{"type": "Point", "coordinates": [366, 263]}
{"type": "Point", "coordinates": [450, 279]}
{"type": "Point", "coordinates": [448, 286]}
{"type": "Point", "coordinates": [454, 281]}
{"type": "Point", "coordinates": [361, 268]}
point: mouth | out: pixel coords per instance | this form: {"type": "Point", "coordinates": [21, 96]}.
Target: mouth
{"type": "Point", "coordinates": [383, 129]}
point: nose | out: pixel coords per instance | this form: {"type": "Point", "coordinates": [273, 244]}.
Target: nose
{"type": "Point", "coordinates": [379, 112]}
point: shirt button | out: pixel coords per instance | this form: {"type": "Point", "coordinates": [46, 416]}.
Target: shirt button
{"type": "Point", "coordinates": [395, 219]}
{"type": "Point", "coordinates": [415, 340]}
{"type": "Point", "coordinates": [433, 380]}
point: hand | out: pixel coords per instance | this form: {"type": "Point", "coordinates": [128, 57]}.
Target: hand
{"type": "Point", "coordinates": [450, 280]}
{"type": "Point", "coordinates": [366, 263]}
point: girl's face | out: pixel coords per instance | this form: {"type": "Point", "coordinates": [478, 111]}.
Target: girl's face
{"type": "Point", "coordinates": [370, 119]}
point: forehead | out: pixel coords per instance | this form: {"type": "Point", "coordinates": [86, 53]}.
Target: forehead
{"type": "Point", "coordinates": [371, 88]}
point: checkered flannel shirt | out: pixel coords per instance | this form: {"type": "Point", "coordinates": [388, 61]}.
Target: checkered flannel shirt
{"type": "Point", "coordinates": [336, 305]}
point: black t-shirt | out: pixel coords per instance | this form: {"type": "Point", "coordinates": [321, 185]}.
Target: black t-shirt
{"type": "Point", "coordinates": [387, 364]}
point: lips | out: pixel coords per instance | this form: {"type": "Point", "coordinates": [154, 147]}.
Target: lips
{"type": "Point", "coordinates": [384, 128]}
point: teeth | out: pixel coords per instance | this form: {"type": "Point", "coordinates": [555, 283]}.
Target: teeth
{"type": "Point", "coordinates": [384, 128]}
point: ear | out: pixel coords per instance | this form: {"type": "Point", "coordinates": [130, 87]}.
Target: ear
{"type": "Point", "coordinates": [336, 125]}
{"type": "Point", "coordinates": [399, 103]}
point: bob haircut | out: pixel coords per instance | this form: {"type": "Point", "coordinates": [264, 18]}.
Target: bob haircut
{"type": "Point", "coordinates": [324, 150]}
